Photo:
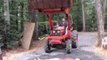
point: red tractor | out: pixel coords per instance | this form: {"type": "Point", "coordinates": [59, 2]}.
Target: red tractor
{"type": "Point", "coordinates": [60, 36]}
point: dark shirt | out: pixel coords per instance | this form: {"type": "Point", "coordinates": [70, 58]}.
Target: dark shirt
{"type": "Point", "coordinates": [63, 24]}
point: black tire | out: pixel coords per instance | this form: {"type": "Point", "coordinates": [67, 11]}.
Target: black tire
{"type": "Point", "coordinates": [68, 46]}
{"type": "Point", "coordinates": [47, 47]}
{"type": "Point", "coordinates": [74, 39]}
{"type": "Point", "coordinates": [74, 44]}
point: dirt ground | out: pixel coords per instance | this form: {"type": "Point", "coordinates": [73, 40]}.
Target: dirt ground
{"type": "Point", "coordinates": [8, 54]}
{"type": "Point", "coordinates": [101, 52]}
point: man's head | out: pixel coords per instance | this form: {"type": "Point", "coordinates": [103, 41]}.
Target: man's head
{"type": "Point", "coordinates": [63, 19]}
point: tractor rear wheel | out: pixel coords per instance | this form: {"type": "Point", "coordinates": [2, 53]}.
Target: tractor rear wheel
{"type": "Point", "coordinates": [68, 46]}
{"type": "Point", "coordinates": [47, 47]}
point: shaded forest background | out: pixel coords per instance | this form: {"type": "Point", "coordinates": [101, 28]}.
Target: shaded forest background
{"type": "Point", "coordinates": [18, 11]}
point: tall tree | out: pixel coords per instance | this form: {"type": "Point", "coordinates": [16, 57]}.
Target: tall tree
{"type": "Point", "coordinates": [104, 7]}
{"type": "Point", "coordinates": [7, 20]}
{"type": "Point", "coordinates": [33, 18]}
{"type": "Point", "coordinates": [83, 15]}
{"type": "Point", "coordinates": [100, 20]}
{"type": "Point", "coordinates": [6, 12]}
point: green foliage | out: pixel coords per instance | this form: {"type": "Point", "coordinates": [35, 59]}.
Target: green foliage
{"type": "Point", "coordinates": [12, 44]}
{"type": "Point", "coordinates": [91, 22]}
{"type": "Point", "coordinates": [76, 13]}
{"type": "Point", "coordinates": [42, 28]}
{"type": "Point", "coordinates": [16, 22]}
{"type": "Point", "coordinates": [2, 23]}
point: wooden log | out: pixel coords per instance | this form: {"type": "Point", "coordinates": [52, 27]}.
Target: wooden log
{"type": "Point", "coordinates": [27, 35]}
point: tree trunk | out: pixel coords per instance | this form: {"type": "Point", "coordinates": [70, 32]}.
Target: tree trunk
{"type": "Point", "coordinates": [104, 8]}
{"type": "Point", "coordinates": [36, 26]}
{"type": "Point", "coordinates": [83, 15]}
{"type": "Point", "coordinates": [35, 34]}
{"type": "Point", "coordinates": [6, 12]}
{"type": "Point", "coordinates": [7, 20]}
{"type": "Point", "coordinates": [19, 20]}
{"type": "Point", "coordinates": [100, 21]}
{"type": "Point", "coordinates": [33, 18]}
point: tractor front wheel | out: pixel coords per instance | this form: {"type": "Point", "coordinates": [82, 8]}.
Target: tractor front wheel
{"type": "Point", "coordinates": [74, 44]}
{"type": "Point", "coordinates": [68, 46]}
{"type": "Point", "coordinates": [74, 39]}
{"type": "Point", "coordinates": [47, 47]}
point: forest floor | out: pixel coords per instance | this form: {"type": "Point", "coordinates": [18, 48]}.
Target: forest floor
{"type": "Point", "coordinates": [9, 54]}
{"type": "Point", "coordinates": [100, 52]}
{"type": "Point", "coordinates": [86, 50]}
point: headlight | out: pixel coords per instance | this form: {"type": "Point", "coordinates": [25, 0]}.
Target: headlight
{"type": "Point", "coordinates": [53, 31]}
{"type": "Point", "coordinates": [58, 31]}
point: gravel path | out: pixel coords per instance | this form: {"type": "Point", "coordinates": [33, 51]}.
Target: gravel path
{"type": "Point", "coordinates": [83, 52]}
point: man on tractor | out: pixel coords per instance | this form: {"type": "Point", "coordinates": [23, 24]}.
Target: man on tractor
{"type": "Point", "coordinates": [63, 23]}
